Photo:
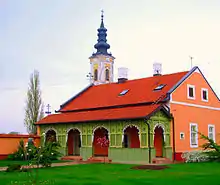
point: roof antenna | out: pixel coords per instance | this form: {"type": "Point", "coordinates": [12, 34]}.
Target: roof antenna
{"type": "Point", "coordinates": [191, 58]}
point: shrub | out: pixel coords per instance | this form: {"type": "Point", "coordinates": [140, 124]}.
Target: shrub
{"type": "Point", "coordinates": [19, 154]}
{"type": "Point", "coordinates": [45, 155]}
{"type": "Point", "coordinates": [195, 156]}
{"type": "Point", "coordinates": [212, 149]}
{"type": "Point", "coordinates": [13, 167]}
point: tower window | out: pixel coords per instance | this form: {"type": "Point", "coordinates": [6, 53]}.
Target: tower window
{"type": "Point", "coordinates": [96, 74]}
{"type": "Point", "coordinates": [107, 74]}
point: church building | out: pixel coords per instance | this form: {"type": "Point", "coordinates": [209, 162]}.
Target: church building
{"type": "Point", "coordinates": [156, 117]}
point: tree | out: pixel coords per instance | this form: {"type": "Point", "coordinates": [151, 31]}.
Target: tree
{"type": "Point", "coordinates": [13, 132]}
{"type": "Point", "coordinates": [34, 105]}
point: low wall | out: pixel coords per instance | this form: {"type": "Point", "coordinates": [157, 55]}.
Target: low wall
{"type": "Point", "coordinates": [10, 142]}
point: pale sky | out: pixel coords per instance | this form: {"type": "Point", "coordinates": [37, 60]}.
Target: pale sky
{"type": "Point", "coordinates": [56, 37]}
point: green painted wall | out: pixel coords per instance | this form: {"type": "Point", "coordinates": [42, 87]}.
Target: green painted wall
{"type": "Point", "coordinates": [86, 152]}
{"type": "Point", "coordinates": [116, 130]}
{"type": "Point", "coordinates": [129, 154]}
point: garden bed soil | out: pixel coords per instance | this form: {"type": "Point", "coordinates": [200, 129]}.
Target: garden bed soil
{"type": "Point", "coordinates": [150, 167]}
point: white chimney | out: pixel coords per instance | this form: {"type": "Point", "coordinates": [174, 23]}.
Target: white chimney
{"type": "Point", "coordinates": [157, 67]}
{"type": "Point", "coordinates": [122, 74]}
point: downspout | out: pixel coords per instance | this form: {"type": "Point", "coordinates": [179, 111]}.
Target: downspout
{"type": "Point", "coordinates": [174, 144]}
{"type": "Point", "coordinates": [149, 147]}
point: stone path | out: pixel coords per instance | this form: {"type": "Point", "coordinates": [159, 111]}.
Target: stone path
{"type": "Point", "coordinates": [52, 165]}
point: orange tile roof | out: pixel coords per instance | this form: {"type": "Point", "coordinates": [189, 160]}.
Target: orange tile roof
{"type": "Point", "coordinates": [140, 91]}
{"type": "Point", "coordinates": [133, 112]}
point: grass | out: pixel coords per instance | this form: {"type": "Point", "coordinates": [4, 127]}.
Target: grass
{"type": "Point", "coordinates": [119, 174]}
{"type": "Point", "coordinates": [4, 163]}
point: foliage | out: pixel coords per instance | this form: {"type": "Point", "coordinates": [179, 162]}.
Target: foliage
{"type": "Point", "coordinates": [34, 106]}
{"type": "Point", "coordinates": [13, 132]}
{"type": "Point", "coordinates": [45, 155]}
{"type": "Point", "coordinates": [195, 156]}
{"type": "Point", "coordinates": [103, 142]}
{"type": "Point", "coordinates": [13, 167]}
{"type": "Point", "coordinates": [210, 152]}
{"type": "Point", "coordinates": [212, 148]}
{"type": "Point", "coordinates": [37, 155]}
{"type": "Point", "coordinates": [20, 153]}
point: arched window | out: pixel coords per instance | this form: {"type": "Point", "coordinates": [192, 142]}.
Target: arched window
{"type": "Point", "coordinates": [96, 74]}
{"type": "Point", "coordinates": [107, 74]}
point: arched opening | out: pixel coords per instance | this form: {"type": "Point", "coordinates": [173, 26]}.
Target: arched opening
{"type": "Point", "coordinates": [107, 74]}
{"type": "Point", "coordinates": [96, 74]}
{"type": "Point", "coordinates": [50, 136]}
{"type": "Point", "coordinates": [100, 149]}
{"type": "Point", "coordinates": [158, 141]}
{"type": "Point", "coordinates": [131, 137]}
{"type": "Point", "coordinates": [74, 142]}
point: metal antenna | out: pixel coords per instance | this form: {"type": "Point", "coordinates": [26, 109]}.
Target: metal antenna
{"type": "Point", "coordinates": [191, 58]}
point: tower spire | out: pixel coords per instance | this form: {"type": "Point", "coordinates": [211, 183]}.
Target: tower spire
{"type": "Point", "coordinates": [101, 62]}
{"type": "Point", "coordinates": [102, 46]}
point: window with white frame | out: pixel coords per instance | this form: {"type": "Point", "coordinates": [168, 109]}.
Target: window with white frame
{"type": "Point", "coordinates": [193, 135]}
{"type": "Point", "coordinates": [191, 92]}
{"type": "Point", "coordinates": [211, 132]}
{"type": "Point", "coordinates": [204, 94]}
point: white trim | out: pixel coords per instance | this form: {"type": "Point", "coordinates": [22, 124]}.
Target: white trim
{"type": "Point", "coordinates": [93, 133]}
{"type": "Point", "coordinates": [162, 126]}
{"type": "Point", "coordinates": [194, 91]}
{"type": "Point", "coordinates": [48, 129]}
{"type": "Point", "coordinates": [213, 126]}
{"type": "Point", "coordinates": [73, 128]}
{"type": "Point", "coordinates": [195, 105]}
{"type": "Point", "coordinates": [182, 133]}
{"type": "Point", "coordinates": [207, 94]}
{"type": "Point", "coordinates": [132, 125]}
{"type": "Point", "coordinates": [196, 145]}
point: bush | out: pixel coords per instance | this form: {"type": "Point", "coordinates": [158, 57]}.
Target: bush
{"type": "Point", "coordinates": [195, 156]}
{"type": "Point", "coordinates": [13, 167]}
{"type": "Point", "coordinates": [45, 155]}
{"type": "Point", "coordinates": [212, 149]}
{"type": "Point", "coordinates": [37, 155]}
{"type": "Point", "coordinates": [19, 154]}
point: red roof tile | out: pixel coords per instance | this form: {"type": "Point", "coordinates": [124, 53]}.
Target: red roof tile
{"type": "Point", "coordinates": [140, 91]}
{"type": "Point", "coordinates": [103, 114]}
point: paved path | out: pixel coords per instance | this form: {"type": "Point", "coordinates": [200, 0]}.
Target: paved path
{"type": "Point", "coordinates": [52, 165]}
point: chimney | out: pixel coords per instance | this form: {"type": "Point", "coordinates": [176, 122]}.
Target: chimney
{"type": "Point", "coordinates": [122, 74]}
{"type": "Point", "coordinates": [157, 67]}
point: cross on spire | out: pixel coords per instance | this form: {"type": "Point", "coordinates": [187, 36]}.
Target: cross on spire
{"type": "Point", "coordinates": [102, 15]}
{"type": "Point", "coordinates": [48, 109]}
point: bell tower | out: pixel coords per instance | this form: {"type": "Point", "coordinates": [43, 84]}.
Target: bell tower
{"type": "Point", "coordinates": [101, 62]}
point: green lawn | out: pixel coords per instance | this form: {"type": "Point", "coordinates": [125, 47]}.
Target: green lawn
{"type": "Point", "coordinates": [4, 163]}
{"type": "Point", "coordinates": [120, 174]}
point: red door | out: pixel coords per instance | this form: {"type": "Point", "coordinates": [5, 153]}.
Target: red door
{"type": "Point", "coordinates": [158, 141]}
{"type": "Point", "coordinates": [70, 142]}
{"type": "Point", "coordinates": [99, 150]}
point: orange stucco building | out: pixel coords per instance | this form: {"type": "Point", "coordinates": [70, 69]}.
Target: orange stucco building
{"type": "Point", "coordinates": [194, 105]}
